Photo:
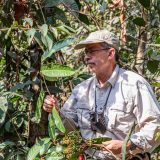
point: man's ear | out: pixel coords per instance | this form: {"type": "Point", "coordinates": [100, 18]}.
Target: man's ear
{"type": "Point", "coordinates": [112, 53]}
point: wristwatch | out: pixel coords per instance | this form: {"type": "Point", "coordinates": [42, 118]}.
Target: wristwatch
{"type": "Point", "coordinates": [133, 146]}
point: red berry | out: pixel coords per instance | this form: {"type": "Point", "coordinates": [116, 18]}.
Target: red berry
{"type": "Point", "coordinates": [81, 157]}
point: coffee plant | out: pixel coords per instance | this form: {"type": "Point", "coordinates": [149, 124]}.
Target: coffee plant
{"type": "Point", "coordinates": [37, 58]}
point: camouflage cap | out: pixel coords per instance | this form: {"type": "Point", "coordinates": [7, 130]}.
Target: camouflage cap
{"type": "Point", "coordinates": [99, 37]}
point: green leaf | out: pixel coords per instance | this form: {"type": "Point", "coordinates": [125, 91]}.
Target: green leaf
{"type": "Point", "coordinates": [157, 136]}
{"type": "Point", "coordinates": [58, 46]}
{"type": "Point", "coordinates": [54, 157]}
{"type": "Point", "coordinates": [126, 141]}
{"type": "Point", "coordinates": [7, 126]}
{"type": "Point", "coordinates": [39, 104]}
{"type": "Point", "coordinates": [3, 109]}
{"type": "Point", "coordinates": [36, 148]}
{"type": "Point", "coordinates": [60, 14]}
{"type": "Point", "coordinates": [6, 144]}
{"type": "Point", "coordinates": [45, 148]}
{"type": "Point", "coordinates": [53, 71]}
{"type": "Point", "coordinates": [139, 21]}
{"type": "Point", "coordinates": [72, 5]}
{"type": "Point", "coordinates": [47, 41]}
{"type": "Point", "coordinates": [29, 21]}
{"type": "Point", "coordinates": [51, 3]}
{"type": "Point", "coordinates": [153, 66]}
{"type": "Point", "coordinates": [101, 139]}
{"type": "Point", "coordinates": [51, 128]}
{"type": "Point", "coordinates": [34, 151]}
{"type": "Point", "coordinates": [43, 29]}
{"type": "Point", "coordinates": [156, 84]}
{"type": "Point", "coordinates": [84, 18]}
{"type": "Point", "coordinates": [20, 85]}
{"type": "Point", "coordinates": [18, 120]}
{"type": "Point", "coordinates": [145, 3]}
{"type": "Point", "coordinates": [63, 29]}
{"type": "Point", "coordinates": [8, 33]}
{"type": "Point", "coordinates": [30, 34]}
{"type": "Point", "coordinates": [54, 31]}
{"type": "Point", "coordinates": [46, 143]}
{"type": "Point", "coordinates": [158, 40]}
{"type": "Point", "coordinates": [37, 37]}
{"type": "Point", "coordinates": [58, 121]}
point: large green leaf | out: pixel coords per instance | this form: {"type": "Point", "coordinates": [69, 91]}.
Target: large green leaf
{"type": "Point", "coordinates": [145, 3]}
{"type": "Point", "coordinates": [53, 71]}
{"type": "Point", "coordinates": [47, 41]}
{"type": "Point", "coordinates": [58, 46]}
{"type": "Point", "coordinates": [72, 6]}
{"type": "Point", "coordinates": [33, 152]}
{"type": "Point", "coordinates": [37, 37]}
{"type": "Point", "coordinates": [6, 144]}
{"type": "Point", "coordinates": [51, 3]}
{"type": "Point", "coordinates": [20, 85]}
{"type": "Point", "coordinates": [84, 18]}
{"type": "Point", "coordinates": [139, 21]}
{"type": "Point", "coordinates": [36, 148]}
{"type": "Point", "coordinates": [43, 29]}
{"type": "Point", "coordinates": [152, 65]}
{"type": "Point", "coordinates": [46, 144]}
{"type": "Point", "coordinates": [3, 109]}
{"type": "Point", "coordinates": [58, 121]}
{"type": "Point", "coordinates": [39, 104]}
{"type": "Point", "coordinates": [60, 14]}
{"type": "Point", "coordinates": [126, 141]}
{"type": "Point", "coordinates": [51, 128]}
{"type": "Point", "coordinates": [30, 34]}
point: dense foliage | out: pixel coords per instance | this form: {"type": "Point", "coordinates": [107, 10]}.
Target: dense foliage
{"type": "Point", "coordinates": [36, 58]}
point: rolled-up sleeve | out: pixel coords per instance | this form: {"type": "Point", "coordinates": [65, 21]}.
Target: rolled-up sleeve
{"type": "Point", "coordinates": [147, 113]}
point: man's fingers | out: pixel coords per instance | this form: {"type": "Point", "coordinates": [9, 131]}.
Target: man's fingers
{"type": "Point", "coordinates": [49, 102]}
{"type": "Point", "coordinates": [47, 108]}
{"type": "Point", "coordinates": [106, 143]}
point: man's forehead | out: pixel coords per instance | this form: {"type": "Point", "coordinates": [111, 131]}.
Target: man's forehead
{"type": "Point", "coordinates": [92, 46]}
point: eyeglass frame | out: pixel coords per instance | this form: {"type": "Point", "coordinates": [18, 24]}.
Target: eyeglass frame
{"type": "Point", "coordinates": [86, 52]}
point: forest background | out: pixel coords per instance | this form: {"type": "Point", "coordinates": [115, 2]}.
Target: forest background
{"type": "Point", "coordinates": [37, 58]}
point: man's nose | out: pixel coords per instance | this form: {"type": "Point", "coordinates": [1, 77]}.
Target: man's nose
{"type": "Point", "coordinates": [87, 57]}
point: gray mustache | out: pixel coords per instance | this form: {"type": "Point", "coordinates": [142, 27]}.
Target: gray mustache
{"type": "Point", "coordinates": [89, 63]}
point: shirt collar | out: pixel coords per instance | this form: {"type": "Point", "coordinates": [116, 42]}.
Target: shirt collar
{"type": "Point", "coordinates": [112, 80]}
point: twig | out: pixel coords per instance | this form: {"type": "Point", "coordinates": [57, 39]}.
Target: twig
{"type": "Point", "coordinates": [46, 85]}
{"type": "Point", "coordinates": [14, 127]}
{"type": "Point", "coordinates": [42, 12]}
{"type": "Point", "coordinates": [103, 146]}
{"type": "Point", "coordinates": [75, 16]}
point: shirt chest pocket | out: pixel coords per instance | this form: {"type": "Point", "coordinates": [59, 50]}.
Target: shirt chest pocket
{"type": "Point", "coordinates": [121, 116]}
{"type": "Point", "coordinates": [84, 116]}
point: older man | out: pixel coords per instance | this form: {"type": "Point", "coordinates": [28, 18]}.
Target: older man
{"type": "Point", "coordinates": [110, 102]}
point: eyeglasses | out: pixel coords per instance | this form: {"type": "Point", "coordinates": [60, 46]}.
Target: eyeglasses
{"type": "Point", "coordinates": [91, 51]}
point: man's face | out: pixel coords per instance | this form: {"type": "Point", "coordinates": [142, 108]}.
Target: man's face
{"type": "Point", "coordinates": [96, 58]}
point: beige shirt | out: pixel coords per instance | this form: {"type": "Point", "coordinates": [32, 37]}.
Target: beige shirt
{"type": "Point", "coordinates": [131, 100]}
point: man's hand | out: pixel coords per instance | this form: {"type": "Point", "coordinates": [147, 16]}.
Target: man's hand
{"type": "Point", "coordinates": [49, 102]}
{"type": "Point", "coordinates": [115, 146]}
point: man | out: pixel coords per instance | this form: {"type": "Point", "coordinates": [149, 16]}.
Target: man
{"type": "Point", "coordinates": [110, 102]}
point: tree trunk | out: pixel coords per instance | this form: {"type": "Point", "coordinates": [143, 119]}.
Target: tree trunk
{"type": "Point", "coordinates": [142, 39]}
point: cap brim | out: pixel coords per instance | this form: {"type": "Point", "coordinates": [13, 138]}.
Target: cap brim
{"type": "Point", "coordinates": [83, 44]}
